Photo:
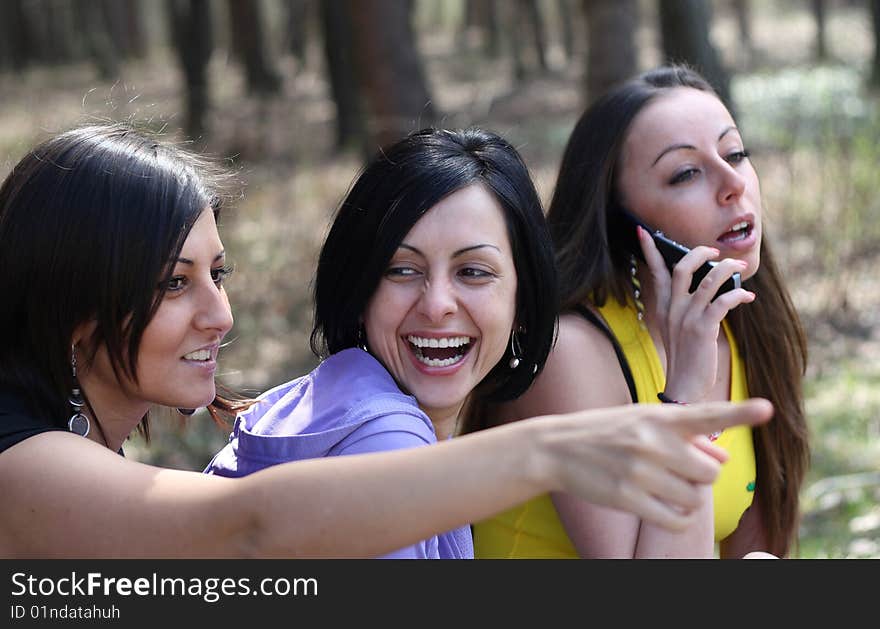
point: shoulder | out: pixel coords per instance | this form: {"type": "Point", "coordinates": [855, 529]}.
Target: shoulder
{"type": "Point", "coordinates": [349, 398]}
{"type": "Point", "coordinates": [581, 372]}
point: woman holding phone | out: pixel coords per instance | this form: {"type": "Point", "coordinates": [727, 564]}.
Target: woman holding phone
{"type": "Point", "coordinates": [665, 149]}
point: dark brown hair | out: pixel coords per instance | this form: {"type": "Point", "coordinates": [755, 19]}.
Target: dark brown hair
{"type": "Point", "coordinates": [768, 331]}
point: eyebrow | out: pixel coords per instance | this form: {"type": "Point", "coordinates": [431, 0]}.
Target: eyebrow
{"type": "Point", "coordinates": [691, 147]}
{"type": "Point", "coordinates": [455, 254]}
{"type": "Point", "coordinates": [220, 255]}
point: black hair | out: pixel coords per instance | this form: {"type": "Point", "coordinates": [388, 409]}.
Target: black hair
{"type": "Point", "coordinates": [90, 221]}
{"type": "Point", "coordinates": [391, 194]}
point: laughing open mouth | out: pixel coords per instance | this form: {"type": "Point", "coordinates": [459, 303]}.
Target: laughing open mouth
{"type": "Point", "coordinates": [439, 352]}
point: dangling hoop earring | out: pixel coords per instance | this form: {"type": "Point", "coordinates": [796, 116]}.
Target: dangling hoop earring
{"type": "Point", "coordinates": [515, 351]}
{"type": "Point", "coordinates": [78, 422]}
{"type": "Point", "coordinates": [362, 337]}
{"type": "Point", "coordinates": [637, 290]}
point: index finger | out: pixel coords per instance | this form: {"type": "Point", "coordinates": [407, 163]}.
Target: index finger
{"type": "Point", "coordinates": [707, 417]}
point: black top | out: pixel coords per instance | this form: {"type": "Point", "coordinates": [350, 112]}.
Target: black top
{"type": "Point", "coordinates": [17, 423]}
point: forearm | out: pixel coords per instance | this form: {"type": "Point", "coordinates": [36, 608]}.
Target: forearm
{"type": "Point", "coordinates": [697, 541]}
{"type": "Point", "coordinates": [368, 505]}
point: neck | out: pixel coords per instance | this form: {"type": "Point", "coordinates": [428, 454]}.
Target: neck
{"type": "Point", "coordinates": [112, 414]}
{"type": "Point", "coordinates": [445, 421]}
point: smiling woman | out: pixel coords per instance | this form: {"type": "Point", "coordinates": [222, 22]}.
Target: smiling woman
{"type": "Point", "coordinates": [432, 285]}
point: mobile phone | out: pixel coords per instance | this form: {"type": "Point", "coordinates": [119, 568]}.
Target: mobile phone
{"type": "Point", "coordinates": [671, 251]}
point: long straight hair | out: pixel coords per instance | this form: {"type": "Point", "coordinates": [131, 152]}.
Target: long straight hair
{"type": "Point", "coordinates": [768, 331]}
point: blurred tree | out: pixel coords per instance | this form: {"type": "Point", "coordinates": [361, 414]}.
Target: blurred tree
{"type": "Point", "coordinates": [299, 13]}
{"type": "Point", "coordinates": [685, 27]}
{"type": "Point", "coordinates": [125, 27]}
{"type": "Point", "coordinates": [191, 27]}
{"type": "Point", "coordinates": [821, 49]}
{"type": "Point", "coordinates": [56, 41]}
{"type": "Point", "coordinates": [249, 45]}
{"type": "Point", "coordinates": [611, 50]}
{"type": "Point", "coordinates": [94, 24]}
{"type": "Point", "coordinates": [336, 30]}
{"type": "Point", "coordinates": [874, 80]}
{"type": "Point", "coordinates": [525, 23]}
{"type": "Point", "coordinates": [743, 11]}
{"type": "Point", "coordinates": [481, 19]}
{"type": "Point", "coordinates": [16, 35]}
{"type": "Point", "coordinates": [567, 17]}
{"type": "Point", "coordinates": [389, 69]}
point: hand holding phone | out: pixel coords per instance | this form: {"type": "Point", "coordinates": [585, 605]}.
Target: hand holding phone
{"type": "Point", "coordinates": [671, 251]}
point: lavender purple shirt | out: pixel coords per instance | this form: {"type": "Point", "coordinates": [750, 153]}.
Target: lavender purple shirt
{"type": "Point", "coordinates": [349, 404]}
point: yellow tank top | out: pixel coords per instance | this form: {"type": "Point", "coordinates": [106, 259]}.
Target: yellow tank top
{"type": "Point", "coordinates": [533, 529]}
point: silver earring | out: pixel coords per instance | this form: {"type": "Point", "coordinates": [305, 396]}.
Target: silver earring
{"type": "Point", "coordinates": [78, 423]}
{"type": "Point", "coordinates": [515, 351]}
{"type": "Point", "coordinates": [637, 290]}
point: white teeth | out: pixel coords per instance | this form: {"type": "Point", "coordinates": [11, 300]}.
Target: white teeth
{"type": "Point", "coordinates": [199, 354]}
{"type": "Point", "coordinates": [739, 226]}
{"type": "Point", "coordinates": [437, 362]}
{"type": "Point", "coordinates": [452, 341]}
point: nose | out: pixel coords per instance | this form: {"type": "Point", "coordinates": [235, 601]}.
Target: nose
{"type": "Point", "coordinates": [438, 299]}
{"type": "Point", "coordinates": [732, 186]}
{"type": "Point", "coordinates": [213, 312]}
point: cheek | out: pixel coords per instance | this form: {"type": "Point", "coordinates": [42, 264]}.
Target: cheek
{"type": "Point", "coordinates": [384, 314]}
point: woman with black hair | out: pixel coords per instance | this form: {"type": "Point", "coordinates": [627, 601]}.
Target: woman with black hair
{"type": "Point", "coordinates": [112, 271]}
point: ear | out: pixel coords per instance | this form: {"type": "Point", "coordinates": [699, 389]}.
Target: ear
{"type": "Point", "coordinates": [83, 333]}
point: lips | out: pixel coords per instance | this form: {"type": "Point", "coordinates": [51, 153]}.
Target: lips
{"type": "Point", "coordinates": [203, 354]}
{"type": "Point", "coordinates": [738, 231]}
{"type": "Point", "coordinates": [441, 351]}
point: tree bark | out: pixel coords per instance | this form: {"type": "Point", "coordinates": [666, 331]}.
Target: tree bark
{"type": "Point", "coordinates": [95, 27]}
{"type": "Point", "coordinates": [298, 14]}
{"type": "Point", "coordinates": [336, 28]}
{"type": "Point", "coordinates": [874, 80]}
{"type": "Point", "coordinates": [821, 49]}
{"type": "Point", "coordinates": [611, 50]}
{"type": "Point", "coordinates": [191, 34]}
{"type": "Point", "coordinates": [389, 69]}
{"type": "Point", "coordinates": [249, 45]}
{"type": "Point", "coordinates": [685, 26]}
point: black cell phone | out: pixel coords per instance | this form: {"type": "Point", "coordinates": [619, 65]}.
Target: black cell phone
{"type": "Point", "coordinates": [671, 251]}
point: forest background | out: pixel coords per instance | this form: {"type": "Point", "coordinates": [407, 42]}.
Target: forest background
{"type": "Point", "coordinates": [294, 94]}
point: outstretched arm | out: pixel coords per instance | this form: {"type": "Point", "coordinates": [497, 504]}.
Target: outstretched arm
{"type": "Point", "coordinates": [67, 497]}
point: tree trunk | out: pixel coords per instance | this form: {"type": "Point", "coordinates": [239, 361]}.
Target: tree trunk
{"type": "Point", "coordinates": [875, 23]}
{"type": "Point", "coordinates": [743, 12]}
{"type": "Point", "coordinates": [16, 37]}
{"type": "Point", "coordinates": [193, 41]}
{"type": "Point", "coordinates": [389, 69]}
{"type": "Point", "coordinates": [611, 50]}
{"type": "Point", "coordinates": [95, 27]}
{"type": "Point", "coordinates": [249, 45]}
{"type": "Point", "coordinates": [531, 15]}
{"type": "Point", "coordinates": [336, 28]}
{"type": "Point", "coordinates": [685, 26]}
{"type": "Point", "coordinates": [567, 17]}
{"type": "Point", "coordinates": [298, 14]}
{"type": "Point", "coordinates": [821, 50]}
